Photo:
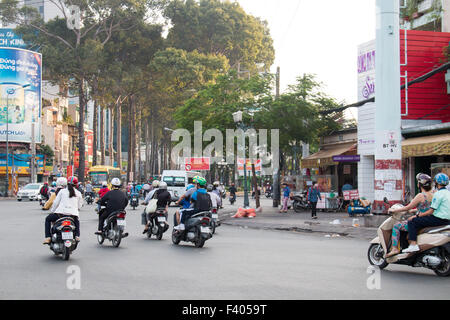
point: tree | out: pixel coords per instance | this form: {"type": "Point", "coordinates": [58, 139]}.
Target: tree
{"type": "Point", "coordinates": [72, 55]}
{"type": "Point", "coordinates": [220, 28]}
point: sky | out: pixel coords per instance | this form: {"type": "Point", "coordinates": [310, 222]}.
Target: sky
{"type": "Point", "coordinates": [319, 37]}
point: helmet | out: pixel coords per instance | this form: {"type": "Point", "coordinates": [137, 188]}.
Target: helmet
{"type": "Point", "coordinates": [201, 181]}
{"type": "Point", "coordinates": [104, 184]}
{"type": "Point", "coordinates": [441, 178]}
{"type": "Point", "coordinates": [210, 187]}
{"type": "Point", "coordinates": [72, 180]}
{"type": "Point", "coordinates": [424, 179]}
{"type": "Point", "coordinates": [45, 183]}
{"type": "Point", "coordinates": [155, 184]}
{"type": "Point", "coordinates": [61, 182]}
{"type": "Point", "coordinates": [163, 185]}
{"type": "Point", "coordinates": [53, 184]}
{"type": "Point", "coordinates": [216, 183]}
{"type": "Point", "coordinates": [195, 179]}
{"type": "Point", "coordinates": [115, 182]}
{"type": "Point", "coordinates": [189, 187]}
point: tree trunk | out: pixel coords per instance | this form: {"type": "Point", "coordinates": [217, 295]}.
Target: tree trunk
{"type": "Point", "coordinates": [95, 133]}
{"type": "Point", "coordinates": [139, 136]}
{"type": "Point", "coordinates": [102, 135]}
{"type": "Point", "coordinates": [111, 136]}
{"type": "Point", "coordinates": [129, 149]}
{"type": "Point", "coordinates": [81, 139]}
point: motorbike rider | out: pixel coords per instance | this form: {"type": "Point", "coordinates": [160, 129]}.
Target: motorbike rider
{"type": "Point", "coordinates": [421, 202]}
{"type": "Point", "coordinates": [115, 200]}
{"type": "Point", "coordinates": [185, 199]}
{"type": "Point", "coordinates": [44, 192]}
{"type": "Point", "coordinates": [437, 215]}
{"type": "Point", "coordinates": [89, 189]}
{"type": "Point", "coordinates": [233, 191]}
{"type": "Point", "coordinates": [146, 187]}
{"type": "Point", "coordinates": [216, 190]}
{"type": "Point", "coordinates": [104, 190]}
{"type": "Point", "coordinates": [68, 202]}
{"type": "Point", "coordinates": [201, 202]}
{"type": "Point", "coordinates": [164, 199]}
{"type": "Point", "coordinates": [214, 197]}
{"type": "Point", "coordinates": [155, 186]}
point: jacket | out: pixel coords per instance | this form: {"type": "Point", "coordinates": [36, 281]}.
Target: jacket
{"type": "Point", "coordinates": [68, 206]}
{"type": "Point", "coordinates": [314, 194]}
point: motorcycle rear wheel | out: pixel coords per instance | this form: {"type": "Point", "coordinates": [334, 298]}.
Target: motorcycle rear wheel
{"type": "Point", "coordinates": [117, 236]}
{"type": "Point", "coordinates": [66, 253]}
{"type": "Point", "coordinates": [375, 255]}
{"type": "Point", "coordinates": [176, 240]}
{"type": "Point", "coordinates": [200, 242]}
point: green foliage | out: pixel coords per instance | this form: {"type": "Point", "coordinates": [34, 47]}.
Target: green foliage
{"type": "Point", "coordinates": [220, 28]}
{"type": "Point", "coordinates": [46, 150]}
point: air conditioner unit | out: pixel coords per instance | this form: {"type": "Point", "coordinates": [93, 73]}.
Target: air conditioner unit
{"type": "Point", "coordinates": [447, 79]}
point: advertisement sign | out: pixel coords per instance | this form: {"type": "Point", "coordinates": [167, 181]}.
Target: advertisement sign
{"type": "Point", "coordinates": [347, 158]}
{"type": "Point", "coordinates": [8, 38]}
{"type": "Point", "coordinates": [197, 164]}
{"type": "Point", "coordinates": [366, 70]}
{"type": "Point", "coordinates": [20, 94]}
{"type": "Point", "coordinates": [20, 163]}
{"type": "Point", "coordinates": [350, 194]}
{"type": "Point", "coordinates": [240, 162]}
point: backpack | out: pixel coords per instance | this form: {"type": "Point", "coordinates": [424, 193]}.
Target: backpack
{"type": "Point", "coordinates": [203, 202]}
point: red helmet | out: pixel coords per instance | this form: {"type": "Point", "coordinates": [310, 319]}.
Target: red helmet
{"type": "Point", "coordinates": [72, 180]}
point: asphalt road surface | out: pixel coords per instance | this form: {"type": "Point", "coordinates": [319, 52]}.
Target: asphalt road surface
{"type": "Point", "coordinates": [237, 263]}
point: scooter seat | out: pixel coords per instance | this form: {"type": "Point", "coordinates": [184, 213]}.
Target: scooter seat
{"type": "Point", "coordinates": [434, 229]}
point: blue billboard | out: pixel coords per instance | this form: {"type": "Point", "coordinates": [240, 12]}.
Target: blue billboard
{"type": "Point", "coordinates": [20, 94]}
{"type": "Point", "coordinates": [8, 38]}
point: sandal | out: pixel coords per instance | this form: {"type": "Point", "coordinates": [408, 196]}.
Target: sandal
{"type": "Point", "coordinates": [393, 252]}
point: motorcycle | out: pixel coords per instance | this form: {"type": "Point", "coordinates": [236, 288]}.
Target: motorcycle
{"type": "Point", "coordinates": [232, 199]}
{"type": "Point", "coordinates": [134, 202]}
{"type": "Point", "coordinates": [268, 194]}
{"type": "Point", "coordinates": [63, 240]}
{"type": "Point", "coordinates": [89, 198]}
{"type": "Point", "coordinates": [158, 224]}
{"type": "Point", "coordinates": [197, 230]}
{"type": "Point", "coordinates": [434, 244]}
{"type": "Point", "coordinates": [113, 228]}
{"type": "Point", "coordinates": [214, 220]}
{"type": "Point", "coordinates": [300, 202]}
{"type": "Point", "coordinates": [41, 200]}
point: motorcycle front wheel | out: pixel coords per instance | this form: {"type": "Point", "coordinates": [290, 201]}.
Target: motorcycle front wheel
{"type": "Point", "coordinates": [444, 269]}
{"type": "Point", "coordinates": [176, 240]}
{"type": "Point", "coordinates": [375, 255]}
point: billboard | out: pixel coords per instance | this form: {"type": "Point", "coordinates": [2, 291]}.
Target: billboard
{"type": "Point", "coordinates": [197, 164]}
{"type": "Point", "coordinates": [20, 94]}
{"type": "Point", "coordinates": [258, 167]}
{"type": "Point", "coordinates": [8, 38]}
{"type": "Point", "coordinates": [366, 70]}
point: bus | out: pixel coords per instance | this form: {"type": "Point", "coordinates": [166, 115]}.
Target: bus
{"type": "Point", "coordinates": [99, 174]}
{"type": "Point", "coordinates": [177, 181]}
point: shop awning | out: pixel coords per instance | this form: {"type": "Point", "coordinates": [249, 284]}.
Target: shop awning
{"type": "Point", "coordinates": [437, 145]}
{"type": "Point", "coordinates": [325, 156]}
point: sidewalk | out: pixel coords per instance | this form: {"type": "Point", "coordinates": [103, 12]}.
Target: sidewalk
{"type": "Point", "coordinates": [271, 219]}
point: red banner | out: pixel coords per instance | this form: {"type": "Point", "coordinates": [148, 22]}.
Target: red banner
{"type": "Point", "coordinates": [196, 164]}
{"type": "Point", "coordinates": [350, 194]}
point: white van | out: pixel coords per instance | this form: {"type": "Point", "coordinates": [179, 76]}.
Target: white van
{"type": "Point", "coordinates": [177, 181]}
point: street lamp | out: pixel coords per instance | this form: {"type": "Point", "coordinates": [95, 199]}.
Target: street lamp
{"type": "Point", "coordinates": [9, 92]}
{"type": "Point", "coordinates": [237, 117]}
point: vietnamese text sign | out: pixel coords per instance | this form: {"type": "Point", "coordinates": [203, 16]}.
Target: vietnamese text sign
{"type": "Point", "coordinates": [197, 164]}
{"type": "Point", "coordinates": [347, 158]}
{"type": "Point", "coordinates": [20, 95]}
{"type": "Point", "coordinates": [350, 194]}
{"type": "Point", "coordinates": [9, 39]}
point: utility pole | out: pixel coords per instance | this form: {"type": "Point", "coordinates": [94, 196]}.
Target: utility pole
{"type": "Point", "coordinates": [276, 172]}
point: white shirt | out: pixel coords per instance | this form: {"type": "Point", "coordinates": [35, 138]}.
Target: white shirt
{"type": "Point", "coordinates": [68, 206]}
{"type": "Point", "coordinates": [215, 199]}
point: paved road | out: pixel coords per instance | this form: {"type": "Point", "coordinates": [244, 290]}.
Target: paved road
{"type": "Point", "coordinates": [237, 263]}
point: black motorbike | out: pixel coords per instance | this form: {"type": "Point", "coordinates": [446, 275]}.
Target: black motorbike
{"type": "Point", "coordinates": [197, 230]}
{"type": "Point", "coordinates": [157, 224]}
{"type": "Point", "coordinates": [268, 194]}
{"type": "Point", "coordinates": [63, 237]}
{"type": "Point", "coordinates": [42, 200]}
{"type": "Point", "coordinates": [232, 199]}
{"type": "Point", "coordinates": [113, 228]}
{"type": "Point", "coordinates": [134, 201]}
{"type": "Point", "coordinates": [300, 202]}
{"type": "Point", "coordinates": [89, 198]}
{"type": "Point", "coordinates": [215, 222]}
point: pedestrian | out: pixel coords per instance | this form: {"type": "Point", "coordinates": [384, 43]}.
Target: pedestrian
{"type": "Point", "coordinates": [313, 197]}
{"type": "Point", "coordinates": [286, 195]}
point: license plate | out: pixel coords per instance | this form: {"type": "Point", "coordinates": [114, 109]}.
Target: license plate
{"type": "Point", "coordinates": [67, 235]}
{"type": "Point", "coordinates": [121, 223]}
{"type": "Point", "coordinates": [161, 219]}
{"type": "Point", "coordinates": [205, 230]}
{"type": "Point", "coordinates": [215, 216]}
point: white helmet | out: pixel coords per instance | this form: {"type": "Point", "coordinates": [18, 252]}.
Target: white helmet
{"type": "Point", "coordinates": [155, 183]}
{"type": "Point", "coordinates": [104, 184]}
{"type": "Point", "coordinates": [163, 185]}
{"type": "Point", "coordinates": [61, 182]}
{"type": "Point", "coordinates": [115, 182]}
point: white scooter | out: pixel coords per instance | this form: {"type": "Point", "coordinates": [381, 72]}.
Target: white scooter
{"type": "Point", "coordinates": [434, 244]}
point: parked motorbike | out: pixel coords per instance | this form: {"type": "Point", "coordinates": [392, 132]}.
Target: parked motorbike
{"type": "Point", "coordinates": [63, 240]}
{"type": "Point", "coordinates": [113, 228]}
{"type": "Point", "coordinates": [434, 244]}
{"type": "Point", "coordinates": [197, 230]}
{"type": "Point", "coordinates": [158, 223]}
{"type": "Point", "coordinates": [134, 201]}
{"type": "Point", "coordinates": [215, 222]}
{"type": "Point", "coordinates": [300, 202]}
